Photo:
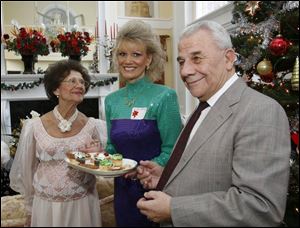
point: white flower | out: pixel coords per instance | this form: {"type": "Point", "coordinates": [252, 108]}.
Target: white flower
{"type": "Point", "coordinates": [34, 114]}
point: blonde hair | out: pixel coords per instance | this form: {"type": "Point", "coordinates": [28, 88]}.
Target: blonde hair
{"type": "Point", "coordinates": [140, 32]}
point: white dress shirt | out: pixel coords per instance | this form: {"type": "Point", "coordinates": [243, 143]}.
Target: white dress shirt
{"type": "Point", "coordinates": [211, 101]}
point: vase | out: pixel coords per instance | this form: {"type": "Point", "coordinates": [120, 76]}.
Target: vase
{"type": "Point", "coordinates": [75, 57]}
{"type": "Point", "coordinates": [29, 61]}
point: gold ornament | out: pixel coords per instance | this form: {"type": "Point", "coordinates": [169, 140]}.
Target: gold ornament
{"type": "Point", "coordinates": [252, 6]}
{"type": "Point", "coordinates": [264, 67]}
{"type": "Point", "coordinates": [295, 76]}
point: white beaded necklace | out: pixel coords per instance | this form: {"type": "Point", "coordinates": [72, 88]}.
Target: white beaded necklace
{"type": "Point", "coordinates": [64, 125]}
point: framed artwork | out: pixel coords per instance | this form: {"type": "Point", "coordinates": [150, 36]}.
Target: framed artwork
{"type": "Point", "coordinates": [139, 8]}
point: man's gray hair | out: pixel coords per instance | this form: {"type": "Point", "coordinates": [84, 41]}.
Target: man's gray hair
{"type": "Point", "coordinates": [218, 32]}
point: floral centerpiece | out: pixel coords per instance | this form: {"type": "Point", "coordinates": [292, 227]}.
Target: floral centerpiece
{"type": "Point", "coordinates": [29, 43]}
{"type": "Point", "coordinates": [26, 41]}
{"type": "Point", "coordinates": [73, 43]}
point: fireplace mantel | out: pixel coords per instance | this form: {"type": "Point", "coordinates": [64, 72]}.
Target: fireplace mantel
{"type": "Point", "coordinates": [38, 93]}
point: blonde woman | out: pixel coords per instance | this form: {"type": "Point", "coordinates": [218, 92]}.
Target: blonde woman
{"type": "Point", "coordinates": [143, 119]}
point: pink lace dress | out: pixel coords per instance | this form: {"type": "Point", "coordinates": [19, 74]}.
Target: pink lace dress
{"type": "Point", "coordinates": [55, 194]}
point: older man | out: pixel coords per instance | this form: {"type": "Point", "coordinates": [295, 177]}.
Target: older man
{"type": "Point", "coordinates": [234, 169]}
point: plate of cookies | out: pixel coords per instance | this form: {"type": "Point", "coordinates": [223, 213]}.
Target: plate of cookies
{"type": "Point", "coordinates": [100, 164]}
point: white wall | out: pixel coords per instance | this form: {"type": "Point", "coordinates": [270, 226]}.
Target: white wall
{"type": "Point", "coordinates": [181, 19]}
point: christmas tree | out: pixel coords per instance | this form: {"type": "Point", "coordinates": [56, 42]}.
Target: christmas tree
{"type": "Point", "coordinates": [266, 37]}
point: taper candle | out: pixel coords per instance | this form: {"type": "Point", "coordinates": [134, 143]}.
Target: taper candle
{"type": "Point", "coordinates": [114, 30]}
{"type": "Point", "coordinates": [111, 32]}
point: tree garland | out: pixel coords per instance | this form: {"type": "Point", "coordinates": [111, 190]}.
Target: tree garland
{"type": "Point", "coordinates": [30, 85]}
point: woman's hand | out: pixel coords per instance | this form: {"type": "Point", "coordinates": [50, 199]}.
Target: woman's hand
{"type": "Point", "coordinates": [92, 147]}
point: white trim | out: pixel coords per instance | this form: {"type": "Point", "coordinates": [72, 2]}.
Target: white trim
{"type": "Point", "coordinates": [223, 16]}
{"type": "Point", "coordinates": [102, 61]}
{"type": "Point", "coordinates": [121, 7]}
{"type": "Point", "coordinates": [3, 63]}
{"type": "Point", "coordinates": [179, 24]}
{"type": "Point", "coordinates": [155, 9]}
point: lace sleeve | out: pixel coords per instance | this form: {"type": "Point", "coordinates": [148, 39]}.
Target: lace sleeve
{"type": "Point", "coordinates": [101, 131]}
{"type": "Point", "coordinates": [25, 164]}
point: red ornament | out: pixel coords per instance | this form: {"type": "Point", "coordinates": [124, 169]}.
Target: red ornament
{"type": "Point", "coordinates": [278, 46]}
{"type": "Point", "coordinates": [295, 137]}
{"type": "Point", "coordinates": [267, 78]}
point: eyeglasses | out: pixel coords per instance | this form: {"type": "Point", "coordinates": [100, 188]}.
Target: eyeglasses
{"type": "Point", "coordinates": [73, 82]}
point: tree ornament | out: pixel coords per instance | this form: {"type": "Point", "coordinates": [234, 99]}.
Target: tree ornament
{"type": "Point", "coordinates": [252, 6]}
{"type": "Point", "coordinates": [264, 67]}
{"type": "Point", "coordinates": [295, 76]}
{"type": "Point", "coordinates": [278, 46]}
{"type": "Point", "coordinates": [267, 78]}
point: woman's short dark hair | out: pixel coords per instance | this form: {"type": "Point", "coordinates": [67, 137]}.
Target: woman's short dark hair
{"type": "Point", "coordinates": [58, 71]}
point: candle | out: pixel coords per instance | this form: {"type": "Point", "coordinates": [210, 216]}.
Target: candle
{"type": "Point", "coordinates": [114, 30]}
{"type": "Point", "coordinates": [97, 29]}
{"type": "Point", "coordinates": [111, 32]}
{"type": "Point", "coordinates": [105, 28]}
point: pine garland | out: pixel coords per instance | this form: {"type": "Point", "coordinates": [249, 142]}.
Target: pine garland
{"type": "Point", "coordinates": [30, 85]}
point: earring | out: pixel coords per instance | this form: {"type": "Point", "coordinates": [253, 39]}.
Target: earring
{"type": "Point", "coordinates": [147, 67]}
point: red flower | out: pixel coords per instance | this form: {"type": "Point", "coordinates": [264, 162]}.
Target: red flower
{"type": "Point", "coordinates": [72, 43]}
{"type": "Point", "coordinates": [26, 41]}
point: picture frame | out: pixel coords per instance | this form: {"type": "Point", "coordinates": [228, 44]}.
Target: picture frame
{"type": "Point", "coordinates": [139, 9]}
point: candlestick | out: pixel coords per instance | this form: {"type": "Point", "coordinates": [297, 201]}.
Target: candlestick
{"type": "Point", "coordinates": [114, 31]}
{"type": "Point", "coordinates": [111, 32]}
{"type": "Point", "coordinates": [97, 29]}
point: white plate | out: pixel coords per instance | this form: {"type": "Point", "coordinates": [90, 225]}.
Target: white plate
{"type": "Point", "coordinates": [128, 163]}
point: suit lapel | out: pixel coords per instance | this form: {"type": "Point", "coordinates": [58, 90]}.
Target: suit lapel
{"type": "Point", "coordinates": [218, 115]}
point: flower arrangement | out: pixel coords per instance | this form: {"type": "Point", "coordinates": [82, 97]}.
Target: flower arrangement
{"type": "Point", "coordinates": [72, 43]}
{"type": "Point", "coordinates": [26, 41]}
{"type": "Point", "coordinates": [16, 132]}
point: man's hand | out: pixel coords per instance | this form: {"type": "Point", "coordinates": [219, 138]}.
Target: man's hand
{"type": "Point", "coordinates": [148, 173]}
{"type": "Point", "coordinates": [156, 206]}
{"type": "Point", "coordinates": [132, 174]}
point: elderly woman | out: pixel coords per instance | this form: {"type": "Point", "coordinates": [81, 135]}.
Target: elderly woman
{"type": "Point", "coordinates": [56, 195]}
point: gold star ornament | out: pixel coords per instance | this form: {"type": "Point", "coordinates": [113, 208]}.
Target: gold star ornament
{"type": "Point", "coordinates": [252, 6]}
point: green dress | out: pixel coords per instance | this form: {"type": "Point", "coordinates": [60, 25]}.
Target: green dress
{"type": "Point", "coordinates": [143, 123]}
